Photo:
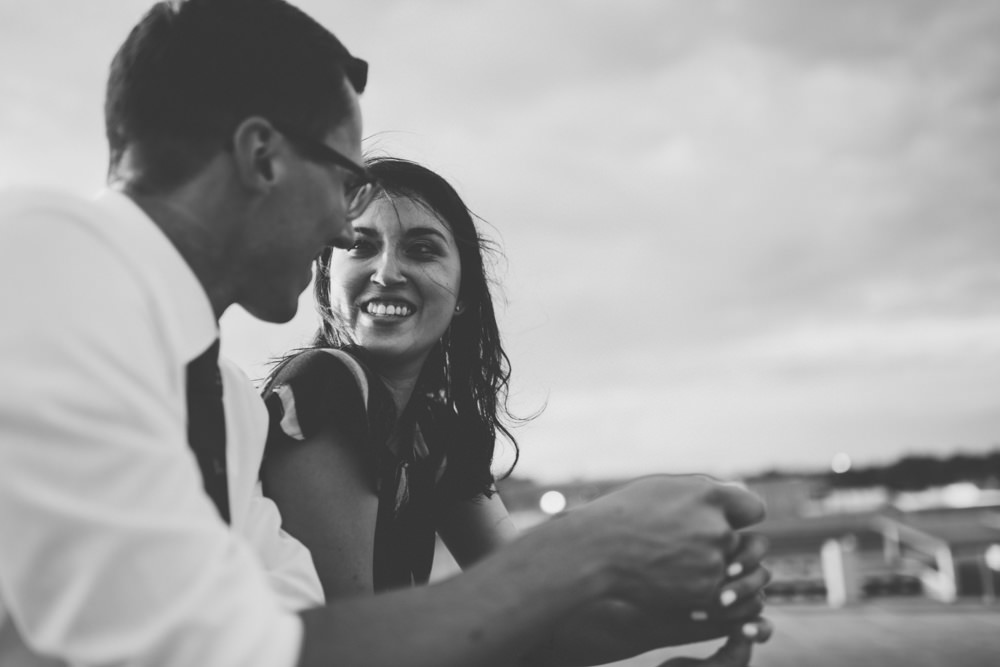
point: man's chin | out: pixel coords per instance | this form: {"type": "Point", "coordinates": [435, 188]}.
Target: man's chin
{"type": "Point", "coordinates": [273, 313]}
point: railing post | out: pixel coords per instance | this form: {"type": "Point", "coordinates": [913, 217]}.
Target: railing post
{"type": "Point", "coordinates": [840, 571]}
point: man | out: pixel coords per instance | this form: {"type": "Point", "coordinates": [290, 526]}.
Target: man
{"type": "Point", "coordinates": [235, 136]}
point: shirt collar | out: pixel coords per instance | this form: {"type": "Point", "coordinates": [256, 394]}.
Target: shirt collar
{"type": "Point", "coordinates": [190, 314]}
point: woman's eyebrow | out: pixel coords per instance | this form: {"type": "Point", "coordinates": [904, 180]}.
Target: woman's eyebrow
{"type": "Point", "coordinates": [426, 231]}
{"type": "Point", "coordinates": [370, 232]}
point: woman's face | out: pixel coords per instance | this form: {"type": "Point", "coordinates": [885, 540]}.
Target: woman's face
{"type": "Point", "coordinates": [396, 289]}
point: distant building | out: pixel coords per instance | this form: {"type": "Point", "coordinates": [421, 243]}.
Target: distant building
{"type": "Point", "coordinates": [897, 543]}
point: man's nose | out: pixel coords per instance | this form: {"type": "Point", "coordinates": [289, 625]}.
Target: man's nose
{"type": "Point", "coordinates": [344, 238]}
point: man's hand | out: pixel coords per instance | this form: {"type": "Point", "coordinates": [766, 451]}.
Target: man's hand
{"type": "Point", "coordinates": [664, 542]}
{"type": "Point", "coordinates": [612, 629]}
{"type": "Point", "coordinates": [678, 570]}
{"type": "Point", "coordinates": [745, 580]}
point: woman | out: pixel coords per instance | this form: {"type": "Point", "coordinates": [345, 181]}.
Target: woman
{"type": "Point", "coordinates": [384, 429]}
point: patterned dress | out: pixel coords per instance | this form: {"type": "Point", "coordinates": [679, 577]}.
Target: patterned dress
{"type": "Point", "coordinates": [323, 386]}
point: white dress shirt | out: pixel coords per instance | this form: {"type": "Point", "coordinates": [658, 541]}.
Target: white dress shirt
{"type": "Point", "coordinates": [255, 517]}
{"type": "Point", "coordinates": [111, 553]}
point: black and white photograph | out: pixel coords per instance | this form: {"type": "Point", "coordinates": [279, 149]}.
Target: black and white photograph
{"type": "Point", "coordinates": [661, 333]}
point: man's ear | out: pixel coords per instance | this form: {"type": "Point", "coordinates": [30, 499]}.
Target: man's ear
{"type": "Point", "coordinates": [256, 153]}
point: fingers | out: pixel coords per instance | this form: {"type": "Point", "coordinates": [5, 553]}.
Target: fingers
{"type": "Point", "coordinates": [749, 552]}
{"type": "Point", "coordinates": [759, 630]}
{"type": "Point", "coordinates": [740, 507]}
{"type": "Point", "coordinates": [688, 539]}
{"type": "Point", "coordinates": [722, 620]}
{"type": "Point", "coordinates": [739, 595]}
{"type": "Point", "coordinates": [741, 609]}
{"type": "Point", "coordinates": [745, 578]}
{"type": "Point", "coordinates": [746, 586]}
{"type": "Point", "coordinates": [735, 652]}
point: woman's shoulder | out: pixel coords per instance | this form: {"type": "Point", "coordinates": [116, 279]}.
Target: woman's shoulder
{"type": "Point", "coordinates": [320, 363]}
{"type": "Point", "coordinates": [316, 386]}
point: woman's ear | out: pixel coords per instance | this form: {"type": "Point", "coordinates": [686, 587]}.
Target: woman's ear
{"type": "Point", "coordinates": [459, 307]}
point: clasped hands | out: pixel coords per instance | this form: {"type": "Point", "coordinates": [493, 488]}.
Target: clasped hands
{"type": "Point", "coordinates": [685, 572]}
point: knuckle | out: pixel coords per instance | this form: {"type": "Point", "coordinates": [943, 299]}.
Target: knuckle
{"type": "Point", "coordinates": [711, 492]}
{"type": "Point", "coordinates": [752, 607]}
{"type": "Point", "coordinates": [713, 563]}
{"type": "Point", "coordinates": [756, 545]}
{"type": "Point", "coordinates": [703, 590]}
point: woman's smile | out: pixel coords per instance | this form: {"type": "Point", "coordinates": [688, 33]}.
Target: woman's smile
{"type": "Point", "coordinates": [387, 309]}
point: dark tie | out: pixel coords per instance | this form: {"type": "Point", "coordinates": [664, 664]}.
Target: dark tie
{"type": "Point", "coordinates": [207, 425]}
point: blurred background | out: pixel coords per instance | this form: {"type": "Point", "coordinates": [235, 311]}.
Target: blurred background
{"type": "Point", "coordinates": [755, 239]}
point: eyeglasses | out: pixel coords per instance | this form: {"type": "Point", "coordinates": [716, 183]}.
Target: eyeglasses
{"type": "Point", "coordinates": [360, 191]}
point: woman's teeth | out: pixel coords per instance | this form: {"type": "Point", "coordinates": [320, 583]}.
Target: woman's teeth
{"type": "Point", "coordinates": [388, 309]}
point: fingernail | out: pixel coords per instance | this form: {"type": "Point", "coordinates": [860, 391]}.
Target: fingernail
{"type": "Point", "coordinates": [734, 569]}
{"type": "Point", "coordinates": [750, 630]}
{"type": "Point", "coordinates": [727, 598]}
{"type": "Point", "coordinates": [699, 615]}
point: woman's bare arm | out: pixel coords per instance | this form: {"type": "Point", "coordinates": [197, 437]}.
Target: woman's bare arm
{"type": "Point", "coordinates": [474, 528]}
{"type": "Point", "coordinates": [322, 488]}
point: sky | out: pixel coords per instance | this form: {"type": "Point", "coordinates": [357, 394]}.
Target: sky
{"type": "Point", "coordinates": [737, 236]}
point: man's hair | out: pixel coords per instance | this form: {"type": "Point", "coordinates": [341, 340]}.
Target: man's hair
{"type": "Point", "coordinates": [192, 70]}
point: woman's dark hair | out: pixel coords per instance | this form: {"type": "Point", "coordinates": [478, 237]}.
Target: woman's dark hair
{"type": "Point", "coordinates": [191, 71]}
{"type": "Point", "coordinates": [467, 374]}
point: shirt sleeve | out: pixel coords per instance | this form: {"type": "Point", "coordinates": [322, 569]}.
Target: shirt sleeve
{"type": "Point", "coordinates": [289, 565]}
{"type": "Point", "coordinates": [118, 556]}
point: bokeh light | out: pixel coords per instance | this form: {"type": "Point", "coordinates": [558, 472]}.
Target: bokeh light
{"type": "Point", "coordinates": [841, 463]}
{"type": "Point", "coordinates": [552, 502]}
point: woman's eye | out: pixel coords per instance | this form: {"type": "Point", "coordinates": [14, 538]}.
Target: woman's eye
{"type": "Point", "coordinates": [423, 249]}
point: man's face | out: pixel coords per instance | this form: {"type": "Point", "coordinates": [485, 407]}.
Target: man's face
{"type": "Point", "coordinates": [306, 212]}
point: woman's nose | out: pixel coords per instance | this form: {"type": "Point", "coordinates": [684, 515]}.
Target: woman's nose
{"type": "Point", "coordinates": [388, 270]}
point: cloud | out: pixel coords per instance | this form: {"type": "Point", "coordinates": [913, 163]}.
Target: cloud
{"type": "Point", "coordinates": [738, 234]}
{"type": "Point", "coordinates": [830, 201]}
